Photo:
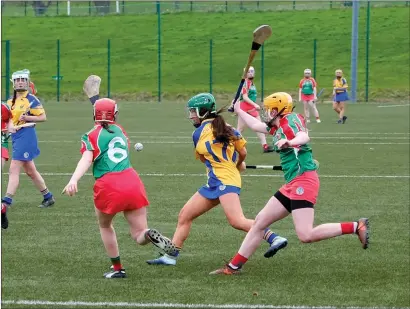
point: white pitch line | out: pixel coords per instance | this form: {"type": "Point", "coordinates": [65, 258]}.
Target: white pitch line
{"type": "Point", "coordinates": [244, 175]}
{"type": "Point", "coordinates": [250, 142]}
{"type": "Point", "coordinates": [312, 137]}
{"type": "Point", "coordinates": [171, 305]}
{"type": "Point", "coordinates": [397, 105]}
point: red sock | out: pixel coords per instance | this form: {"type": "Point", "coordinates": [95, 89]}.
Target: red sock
{"type": "Point", "coordinates": [237, 261]}
{"type": "Point", "coordinates": [265, 146]}
{"type": "Point", "coordinates": [116, 263]}
{"type": "Point", "coordinates": [347, 227]}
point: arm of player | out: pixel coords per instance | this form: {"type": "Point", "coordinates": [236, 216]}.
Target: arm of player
{"type": "Point", "coordinates": [301, 138]}
{"type": "Point", "coordinates": [39, 118]}
{"type": "Point", "coordinates": [241, 159]}
{"type": "Point", "coordinates": [82, 167]}
{"type": "Point", "coordinates": [253, 123]}
{"type": "Point", "coordinates": [300, 94]}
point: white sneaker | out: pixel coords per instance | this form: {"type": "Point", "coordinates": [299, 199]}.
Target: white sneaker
{"type": "Point", "coordinates": [318, 121]}
{"type": "Point", "coordinates": [308, 120]}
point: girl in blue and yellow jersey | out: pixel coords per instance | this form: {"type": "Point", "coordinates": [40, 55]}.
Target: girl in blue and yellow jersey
{"type": "Point", "coordinates": [340, 95]}
{"type": "Point", "coordinates": [25, 108]}
{"type": "Point", "coordinates": [222, 149]}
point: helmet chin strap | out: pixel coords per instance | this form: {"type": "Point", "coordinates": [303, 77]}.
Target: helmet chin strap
{"type": "Point", "coordinates": [270, 123]}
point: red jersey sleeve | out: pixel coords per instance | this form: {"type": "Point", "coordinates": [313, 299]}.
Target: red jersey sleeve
{"type": "Point", "coordinates": [301, 83]}
{"type": "Point", "coordinates": [314, 82]}
{"type": "Point", "coordinates": [89, 141]}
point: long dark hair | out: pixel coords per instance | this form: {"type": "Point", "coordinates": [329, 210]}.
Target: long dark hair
{"type": "Point", "coordinates": [223, 133]}
{"type": "Point", "coordinates": [13, 101]}
{"type": "Point", "coordinates": [105, 126]}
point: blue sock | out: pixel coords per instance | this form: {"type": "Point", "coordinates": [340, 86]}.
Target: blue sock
{"type": "Point", "coordinates": [176, 252]}
{"type": "Point", "coordinates": [7, 200]}
{"type": "Point", "coordinates": [46, 194]}
{"type": "Point", "coordinates": [269, 236]}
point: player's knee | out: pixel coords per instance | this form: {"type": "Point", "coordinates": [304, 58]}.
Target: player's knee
{"type": "Point", "coordinates": [238, 223]}
{"type": "Point", "coordinates": [304, 236]}
{"type": "Point", "coordinates": [184, 217]}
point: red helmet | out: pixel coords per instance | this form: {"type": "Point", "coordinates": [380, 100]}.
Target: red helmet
{"type": "Point", "coordinates": [105, 110]}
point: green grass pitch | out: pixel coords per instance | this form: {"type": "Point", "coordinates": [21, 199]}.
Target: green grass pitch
{"type": "Point", "coordinates": [185, 52]}
{"type": "Point", "coordinates": [56, 254]}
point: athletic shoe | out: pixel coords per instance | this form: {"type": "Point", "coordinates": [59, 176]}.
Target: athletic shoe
{"type": "Point", "coordinates": [277, 244]}
{"type": "Point", "coordinates": [307, 120]}
{"type": "Point", "coordinates": [344, 119]}
{"type": "Point", "coordinates": [164, 259]}
{"type": "Point", "coordinates": [362, 232]}
{"type": "Point", "coordinates": [226, 270]}
{"type": "Point", "coordinates": [318, 121]}
{"type": "Point", "coordinates": [4, 219]}
{"type": "Point", "coordinates": [339, 121]}
{"type": "Point", "coordinates": [160, 241]}
{"type": "Point", "coordinates": [267, 149]}
{"type": "Point", "coordinates": [47, 202]}
{"type": "Point", "coordinates": [115, 274]}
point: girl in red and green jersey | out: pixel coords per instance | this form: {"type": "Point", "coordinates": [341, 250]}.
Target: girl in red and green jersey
{"type": "Point", "coordinates": [248, 104]}
{"type": "Point", "coordinates": [308, 95]}
{"type": "Point", "coordinates": [298, 195]}
{"type": "Point", "coordinates": [118, 187]}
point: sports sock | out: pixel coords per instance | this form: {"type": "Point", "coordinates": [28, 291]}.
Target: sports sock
{"type": "Point", "coordinates": [46, 194]}
{"type": "Point", "coordinates": [176, 253]}
{"type": "Point", "coordinates": [348, 227]}
{"type": "Point", "coordinates": [269, 236]}
{"type": "Point", "coordinates": [116, 263]}
{"type": "Point", "coordinates": [8, 199]}
{"type": "Point", "coordinates": [237, 261]}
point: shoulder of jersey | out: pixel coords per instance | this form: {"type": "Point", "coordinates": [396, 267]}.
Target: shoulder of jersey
{"type": "Point", "coordinates": [32, 97]}
{"type": "Point", "coordinates": [92, 130]}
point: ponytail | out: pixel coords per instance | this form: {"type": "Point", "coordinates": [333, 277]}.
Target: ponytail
{"type": "Point", "coordinates": [13, 101]}
{"type": "Point", "coordinates": [222, 132]}
{"type": "Point", "coordinates": [105, 126]}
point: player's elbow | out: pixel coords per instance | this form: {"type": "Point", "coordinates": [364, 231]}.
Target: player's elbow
{"type": "Point", "coordinates": [242, 153]}
{"type": "Point", "coordinates": [42, 117]}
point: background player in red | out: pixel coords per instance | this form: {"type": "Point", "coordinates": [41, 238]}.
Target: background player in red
{"type": "Point", "coordinates": [298, 196]}
{"type": "Point", "coordinates": [308, 95]}
{"type": "Point", "coordinates": [118, 187]}
{"type": "Point", "coordinates": [248, 104]}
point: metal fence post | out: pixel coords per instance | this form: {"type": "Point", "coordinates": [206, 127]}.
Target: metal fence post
{"type": "Point", "coordinates": [262, 71]}
{"type": "Point", "coordinates": [7, 82]}
{"type": "Point", "coordinates": [58, 70]}
{"type": "Point", "coordinates": [210, 65]}
{"type": "Point", "coordinates": [159, 49]}
{"type": "Point", "coordinates": [109, 68]}
{"type": "Point", "coordinates": [367, 50]}
{"type": "Point", "coordinates": [314, 57]}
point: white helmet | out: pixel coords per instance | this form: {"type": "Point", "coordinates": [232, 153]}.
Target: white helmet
{"type": "Point", "coordinates": [23, 74]}
{"type": "Point", "coordinates": [251, 72]}
{"type": "Point", "coordinates": [307, 71]}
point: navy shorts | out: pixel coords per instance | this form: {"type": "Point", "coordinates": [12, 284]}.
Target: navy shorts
{"type": "Point", "coordinates": [213, 193]}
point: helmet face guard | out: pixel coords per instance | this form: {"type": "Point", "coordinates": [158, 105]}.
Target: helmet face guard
{"type": "Point", "coordinates": [21, 80]}
{"type": "Point", "coordinates": [105, 110]}
{"type": "Point", "coordinates": [307, 73]}
{"type": "Point", "coordinates": [251, 73]}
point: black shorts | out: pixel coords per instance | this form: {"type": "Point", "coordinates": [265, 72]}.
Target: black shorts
{"type": "Point", "coordinates": [291, 205]}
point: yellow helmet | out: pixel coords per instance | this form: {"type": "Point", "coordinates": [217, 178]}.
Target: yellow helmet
{"type": "Point", "coordinates": [281, 101]}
